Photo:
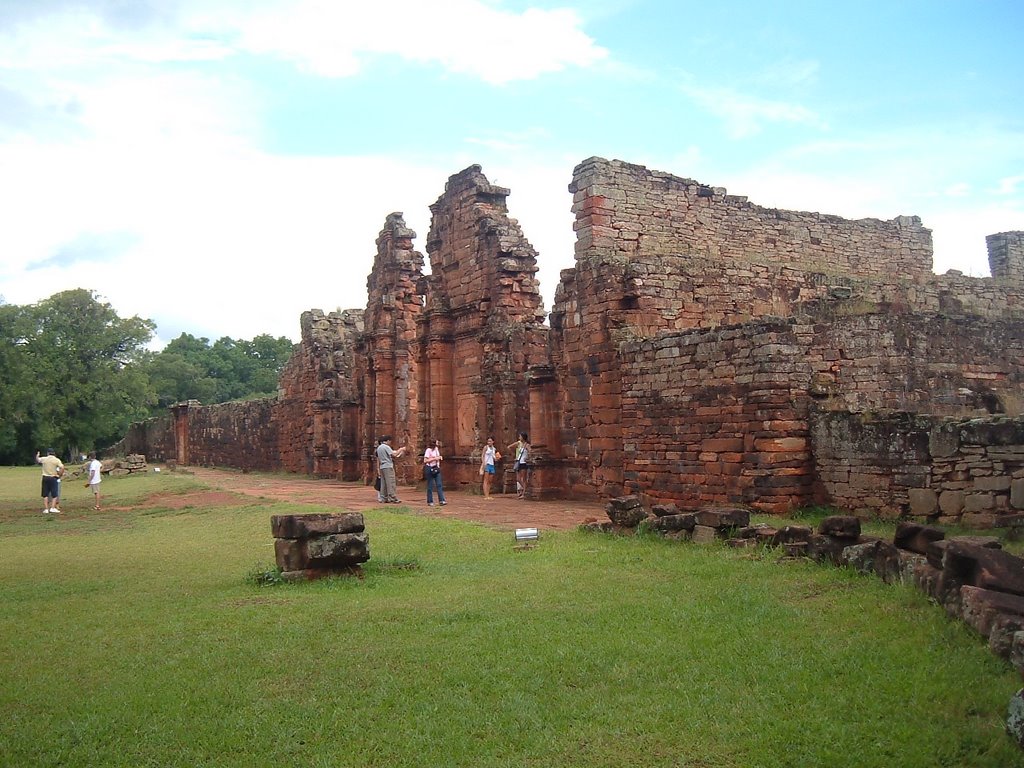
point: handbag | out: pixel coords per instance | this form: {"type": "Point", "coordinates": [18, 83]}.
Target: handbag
{"type": "Point", "coordinates": [376, 483]}
{"type": "Point", "coordinates": [433, 471]}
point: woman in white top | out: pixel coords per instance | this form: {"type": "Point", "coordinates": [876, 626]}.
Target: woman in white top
{"type": "Point", "coordinates": [432, 459]}
{"type": "Point", "coordinates": [522, 465]}
{"type": "Point", "coordinates": [488, 457]}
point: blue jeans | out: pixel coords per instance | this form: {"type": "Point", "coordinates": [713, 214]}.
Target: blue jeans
{"type": "Point", "coordinates": [433, 480]}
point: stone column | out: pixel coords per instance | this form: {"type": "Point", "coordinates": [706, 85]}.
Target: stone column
{"type": "Point", "coordinates": [180, 414]}
{"type": "Point", "coordinates": [1006, 256]}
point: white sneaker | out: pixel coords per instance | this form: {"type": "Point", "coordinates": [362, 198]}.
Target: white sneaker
{"type": "Point", "coordinates": [46, 511]}
{"type": "Point", "coordinates": [430, 504]}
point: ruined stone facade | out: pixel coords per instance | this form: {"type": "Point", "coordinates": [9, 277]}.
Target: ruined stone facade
{"type": "Point", "coordinates": [688, 353]}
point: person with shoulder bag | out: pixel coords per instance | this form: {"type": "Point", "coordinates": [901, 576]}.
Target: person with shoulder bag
{"type": "Point", "coordinates": [432, 459]}
{"type": "Point", "coordinates": [522, 463]}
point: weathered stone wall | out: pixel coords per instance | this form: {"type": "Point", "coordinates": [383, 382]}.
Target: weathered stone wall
{"type": "Point", "coordinates": [656, 255]}
{"type": "Point", "coordinates": [672, 292]}
{"type": "Point", "coordinates": [386, 361]}
{"type": "Point", "coordinates": [153, 438]}
{"type": "Point", "coordinates": [919, 362]}
{"type": "Point", "coordinates": [628, 211]}
{"type": "Point", "coordinates": [239, 434]}
{"type": "Point", "coordinates": [482, 327]}
{"type": "Point", "coordinates": [718, 416]}
{"type": "Point", "coordinates": [931, 468]}
{"type": "Point", "coordinates": [1006, 256]}
{"type": "Point", "coordinates": [686, 348]}
{"type": "Point", "coordinates": [318, 397]}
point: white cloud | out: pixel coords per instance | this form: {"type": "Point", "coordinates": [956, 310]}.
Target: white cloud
{"type": "Point", "coordinates": [1009, 185]}
{"type": "Point", "coordinates": [958, 189]}
{"type": "Point", "coordinates": [746, 115]}
{"type": "Point", "coordinates": [467, 37]}
{"type": "Point", "coordinates": [158, 198]}
{"type": "Point", "coordinates": [322, 37]}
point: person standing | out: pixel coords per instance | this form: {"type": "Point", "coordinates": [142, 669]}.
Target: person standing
{"type": "Point", "coordinates": [377, 481]}
{"type": "Point", "coordinates": [386, 461]}
{"type": "Point", "coordinates": [432, 459]}
{"type": "Point", "coordinates": [95, 475]}
{"type": "Point", "coordinates": [487, 458]}
{"type": "Point", "coordinates": [522, 463]}
{"type": "Point", "coordinates": [53, 469]}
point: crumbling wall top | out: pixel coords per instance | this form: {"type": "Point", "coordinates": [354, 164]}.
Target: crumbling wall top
{"type": "Point", "coordinates": [625, 210]}
{"type": "Point", "coordinates": [479, 258]}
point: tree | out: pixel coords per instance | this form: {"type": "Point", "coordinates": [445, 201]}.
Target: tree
{"type": "Point", "coordinates": [191, 368]}
{"type": "Point", "coordinates": [75, 374]}
{"type": "Point", "coordinates": [15, 384]}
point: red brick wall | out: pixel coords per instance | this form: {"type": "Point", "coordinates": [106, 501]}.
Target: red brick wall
{"type": "Point", "coordinates": [718, 416]}
{"type": "Point", "coordinates": [242, 434]}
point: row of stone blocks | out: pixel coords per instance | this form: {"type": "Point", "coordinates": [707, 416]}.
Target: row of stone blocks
{"type": "Point", "coordinates": [971, 577]}
{"type": "Point", "coordinates": [317, 545]}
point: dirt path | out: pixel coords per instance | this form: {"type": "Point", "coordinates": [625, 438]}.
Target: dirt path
{"type": "Point", "coordinates": [501, 511]}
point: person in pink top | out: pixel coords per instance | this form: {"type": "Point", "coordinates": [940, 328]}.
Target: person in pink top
{"type": "Point", "coordinates": [432, 459]}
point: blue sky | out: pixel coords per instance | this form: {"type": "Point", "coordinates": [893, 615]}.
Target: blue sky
{"type": "Point", "coordinates": [220, 166]}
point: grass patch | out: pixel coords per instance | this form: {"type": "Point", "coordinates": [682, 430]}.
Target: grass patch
{"type": "Point", "coordinates": [153, 643]}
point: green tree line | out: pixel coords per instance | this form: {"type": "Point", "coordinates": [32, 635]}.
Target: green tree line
{"type": "Point", "coordinates": [74, 375]}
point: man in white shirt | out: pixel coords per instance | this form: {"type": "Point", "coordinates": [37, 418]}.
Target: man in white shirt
{"type": "Point", "coordinates": [95, 476]}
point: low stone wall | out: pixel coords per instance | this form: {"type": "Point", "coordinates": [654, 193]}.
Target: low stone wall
{"type": "Point", "coordinates": [153, 438]}
{"type": "Point", "coordinates": [241, 434]}
{"type": "Point", "coordinates": [932, 469]}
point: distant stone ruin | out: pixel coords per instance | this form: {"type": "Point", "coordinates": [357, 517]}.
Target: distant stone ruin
{"type": "Point", "coordinates": [703, 350]}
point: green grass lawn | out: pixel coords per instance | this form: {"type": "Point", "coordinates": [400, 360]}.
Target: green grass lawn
{"type": "Point", "coordinates": [138, 638]}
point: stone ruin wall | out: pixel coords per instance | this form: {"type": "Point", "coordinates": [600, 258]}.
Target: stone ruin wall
{"type": "Point", "coordinates": [718, 416]}
{"type": "Point", "coordinates": [628, 211]}
{"type": "Point", "coordinates": [152, 438]}
{"type": "Point", "coordinates": [875, 329]}
{"type": "Point", "coordinates": [932, 469]}
{"type": "Point", "coordinates": [317, 404]}
{"type": "Point", "coordinates": [385, 353]}
{"type": "Point", "coordinates": [482, 325]}
{"type": "Point", "coordinates": [687, 352]}
{"type": "Point", "coordinates": [238, 434]}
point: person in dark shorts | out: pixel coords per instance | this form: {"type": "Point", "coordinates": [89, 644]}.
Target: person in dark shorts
{"type": "Point", "coordinates": [53, 470]}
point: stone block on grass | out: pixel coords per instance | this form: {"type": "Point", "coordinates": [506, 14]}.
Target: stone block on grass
{"type": "Point", "coordinates": [915, 537]}
{"type": "Point", "coordinates": [308, 526]}
{"type": "Point", "coordinates": [704, 534]}
{"type": "Point", "coordinates": [981, 607]}
{"type": "Point", "coordinates": [626, 511]}
{"type": "Point", "coordinates": [826, 549]}
{"type": "Point", "coordinates": [840, 526]}
{"type": "Point", "coordinates": [984, 567]}
{"type": "Point", "coordinates": [724, 517]}
{"type": "Point", "coordinates": [337, 550]}
{"type": "Point", "coordinates": [1004, 627]}
{"type": "Point", "coordinates": [790, 534]}
{"type": "Point", "coordinates": [685, 521]}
